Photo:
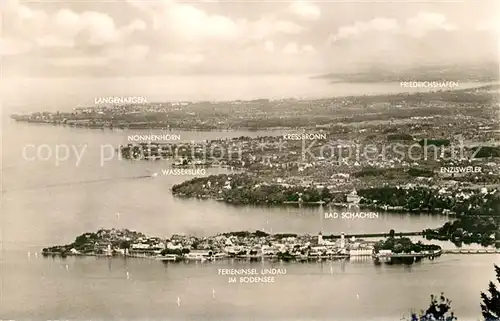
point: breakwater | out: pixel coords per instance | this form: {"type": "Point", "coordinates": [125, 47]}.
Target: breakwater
{"type": "Point", "coordinates": [472, 251]}
{"type": "Point", "coordinates": [368, 235]}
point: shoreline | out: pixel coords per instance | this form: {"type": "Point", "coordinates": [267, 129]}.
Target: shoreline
{"type": "Point", "coordinates": [160, 128]}
{"type": "Point", "coordinates": [334, 205]}
{"type": "Point", "coordinates": [129, 121]}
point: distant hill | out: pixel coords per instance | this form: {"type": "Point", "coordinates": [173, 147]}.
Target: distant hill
{"type": "Point", "coordinates": [487, 72]}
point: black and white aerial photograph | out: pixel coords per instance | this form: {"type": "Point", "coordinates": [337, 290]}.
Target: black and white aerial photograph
{"type": "Point", "coordinates": [260, 160]}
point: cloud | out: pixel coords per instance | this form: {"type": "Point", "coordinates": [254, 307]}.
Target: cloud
{"type": "Point", "coordinates": [182, 59]}
{"type": "Point", "coordinates": [62, 29]}
{"type": "Point", "coordinates": [425, 22]}
{"type": "Point", "coordinates": [308, 49]}
{"type": "Point", "coordinates": [286, 27]}
{"type": "Point", "coordinates": [293, 48]}
{"type": "Point", "coordinates": [266, 28]}
{"type": "Point", "coordinates": [418, 26]}
{"type": "Point", "coordinates": [193, 23]}
{"type": "Point", "coordinates": [79, 61]}
{"type": "Point", "coordinates": [23, 21]}
{"type": "Point", "coordinates": [99, 28]}
{"type": "Point", "coordinates": [269, 46]}
{"type": "Point", "coordinates": [305, 10]}
{"type": "Point", "coordinates": [107, 57]}
{"type": "Point", "coordinates": [132, 53]}
{"type": "Point", "coordinates": [169, 31]}
{"type": "Point", "coordinates": [66, 29]}
{"type": "Point", "coordinates": [66, 22]}
{"type": "Point", "coordinates": [55, 41]}
{"type": "Point", "coordinates": [149, 6]}
{"type": "Point", "coordinates": [360, 28]}
{"type": "Point", "coordinates": [491, 25]}
{"type": "Point", "coordinates": [27, 14]}
{"type": "Point", "coordinates": [190, 36]}
{"type": "Point", "coordinates": [10, 47]}
{"type": "Point", "coordinates": [186, 23]}
{"type": "Point", "coordinates": [136, 25]}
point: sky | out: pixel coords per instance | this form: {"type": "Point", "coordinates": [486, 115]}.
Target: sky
{"type": "Point", "coordinates": [72, 38]}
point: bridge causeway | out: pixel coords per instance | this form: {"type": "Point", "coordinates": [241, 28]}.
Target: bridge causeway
{"type": "Point", "coordinates": [472, 251]}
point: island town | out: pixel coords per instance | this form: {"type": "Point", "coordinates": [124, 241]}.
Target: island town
{"type": "Point", "coordinates": [247, 246]}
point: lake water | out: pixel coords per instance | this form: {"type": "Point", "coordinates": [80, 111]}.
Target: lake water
{"type": "Point", "coordinates": [64, 200]}
{"type": "Point", "coordinates": [98, 289]}
{"type": "Point", "coordinates": [46, 204]}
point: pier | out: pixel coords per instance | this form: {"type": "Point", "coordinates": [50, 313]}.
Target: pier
{"type": "Point", "coordinates": [420, 255]}
{"type": "Point", "coordinates": [472, 251]}
{"type": "Point", "coordinates": [368, 235]}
